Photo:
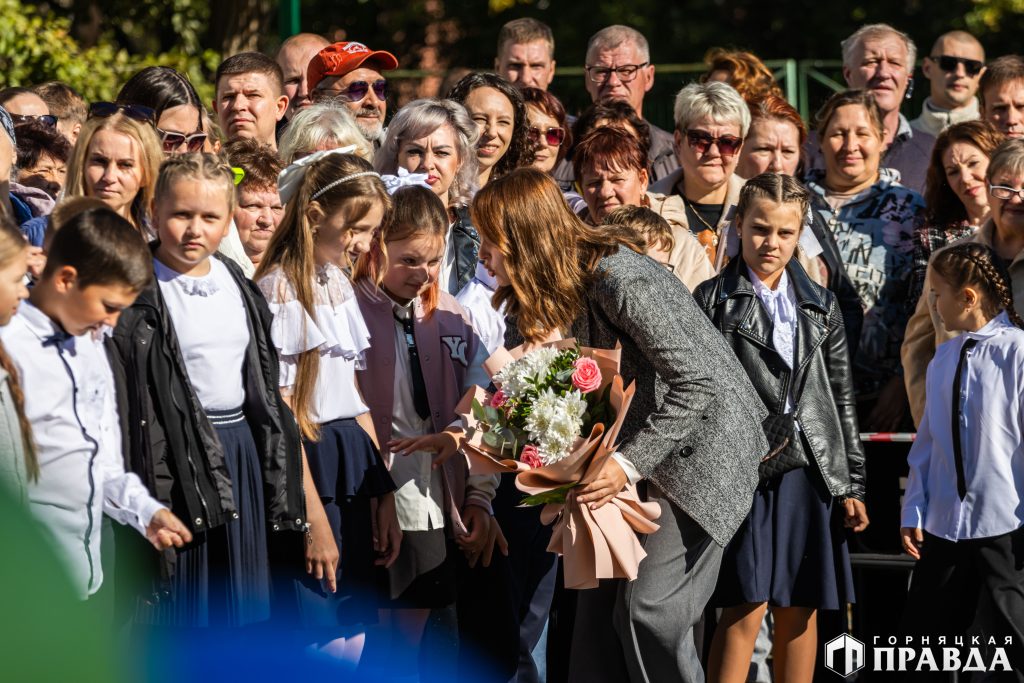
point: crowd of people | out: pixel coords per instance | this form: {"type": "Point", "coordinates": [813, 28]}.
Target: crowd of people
{"type": "Point", "coordinates": [241, 333]}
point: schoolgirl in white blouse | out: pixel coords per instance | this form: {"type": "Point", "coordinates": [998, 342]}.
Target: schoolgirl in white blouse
{"type": "Point", "coordinates": [963, 512]}
{"type": "Point", "coordinates": [335, 204]}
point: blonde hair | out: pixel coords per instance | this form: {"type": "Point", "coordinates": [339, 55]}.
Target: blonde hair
{"type": "Point", "coordinates": [150, 153]}
{"type": "Point", "coordinates": [12, 245]}
{"type": "Point", "coordinates": [201, 166]}
{"type": "Point", "coordinates": [319, 127]}
{"type": "Point", "coordinates": [549, 253]}
{"type": "Point", "coordinates": [292, 249]}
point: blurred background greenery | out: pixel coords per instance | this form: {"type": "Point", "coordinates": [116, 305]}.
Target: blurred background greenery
{"type": "Point", "coordinates": [95, 44]}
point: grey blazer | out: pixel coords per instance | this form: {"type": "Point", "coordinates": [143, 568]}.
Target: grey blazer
{"type": "Point", "coordinates": [694, 428]}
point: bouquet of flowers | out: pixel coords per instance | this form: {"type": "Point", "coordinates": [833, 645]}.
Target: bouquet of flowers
{"type": "Point", "coordinates": [554, 421]}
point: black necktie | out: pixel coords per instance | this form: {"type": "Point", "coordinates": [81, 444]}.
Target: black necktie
{"type": "Point", "coordinates": [419, 387]}
{"type": "Point", "coordinates": [958, 454]}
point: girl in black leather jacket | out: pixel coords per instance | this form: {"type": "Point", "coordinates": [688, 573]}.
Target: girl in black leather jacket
{"type": "Point", "coordinates": [788, 333]}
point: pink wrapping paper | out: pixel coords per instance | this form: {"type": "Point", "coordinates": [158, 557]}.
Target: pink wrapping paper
{"type": "Point", "coordinates": [595, 544]}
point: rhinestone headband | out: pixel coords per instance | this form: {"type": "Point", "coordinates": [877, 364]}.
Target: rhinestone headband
{"type": "Point", "coordinates": [341, 180]}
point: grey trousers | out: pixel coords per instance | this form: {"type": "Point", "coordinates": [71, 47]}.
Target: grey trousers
{"type": "Point", "coordinates": [642, 631]}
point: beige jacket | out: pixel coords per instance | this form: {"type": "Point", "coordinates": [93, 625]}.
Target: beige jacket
{"type": "Point", "coordinates": [925, 330]}
{"type": "Point", "coordinates": [688, 258]}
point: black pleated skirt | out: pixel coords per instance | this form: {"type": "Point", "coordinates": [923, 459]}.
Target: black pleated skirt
{"type": "Point", "coordinates": [791, 549]}
{"type": "Point", "coordinates": [222, 579]}
{"type": "Point", "coordinates": [348, 472]}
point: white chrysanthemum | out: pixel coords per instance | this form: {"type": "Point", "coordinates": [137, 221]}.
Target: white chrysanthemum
{"type": "Point", "coordinates": [555, 422]}
{"type": "Point", "coordinates": [516, 376]}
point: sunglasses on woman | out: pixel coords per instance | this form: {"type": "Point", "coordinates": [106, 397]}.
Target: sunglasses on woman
{"type": "Point", "coordinates": [136, 112]}
{"type": "Point", "coordinates": [356, 91]}
{"type": "Point", "coordinates": [172, 141]}
{"type": "Point", "coordinates": [701, 140]}
{"type": "Point", "coordinates": [48, 120]}
{"type": "Point", "coordinates": [972, 67]}
{"type": "Point", "coordinates": [553, 136]}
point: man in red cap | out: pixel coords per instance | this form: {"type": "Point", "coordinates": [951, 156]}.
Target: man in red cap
{"type": "Point", "coordinates": [350, 73]}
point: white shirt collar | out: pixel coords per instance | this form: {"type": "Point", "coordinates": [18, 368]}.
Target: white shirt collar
{"type": "Point", "coordinates": [37, 322]}
{"type": "Point", "coordinates": [485, 278]}
{"type": "Point", "coordinates": [993, 327]}
{"type": "Point", "coordinates": [762, 290]}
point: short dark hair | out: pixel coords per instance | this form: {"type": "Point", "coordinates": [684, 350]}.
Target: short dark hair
{"type": "Point", "coordinates": [860, 98]}
{"type": "Point", "coordinates": [63, 101]}
{"type": "Point", "coordinates": [248, 63]}
{"type": "Point", "coordinates": [526, 30]}
{"type": "Point", "coordinates": [608, 147]}
{"type": "Point", "coordinates": [160, 88]}
{"type": "Point", "coordinates": [1000, 70]}
{"type": "Point", "coordinates": [8, 94]}
{"type": "Point", "coordinates": [104, 248]}
{"type": "Point", "coordinates": [616, 110]}
{"type": "Point", "coordinates": [35, 139]}
{"type": "Point", "coordinates": [259, 162]}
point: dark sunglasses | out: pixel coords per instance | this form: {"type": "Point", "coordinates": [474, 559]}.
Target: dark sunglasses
{"type": "Point", "coordinates": [172, 140]}
{"type": "Point", "coordinates": [48, 120]}
{"type": "Point", "coordinates": [972, 67]}
{"type": "Point", "coordinates": [701, 142]}
{"type": "Point", "coordinates": [135, 112]}
{"type": "Point", "coordinates": [357, 90]}
{"type": "Point", "coordinates": [553, 136]}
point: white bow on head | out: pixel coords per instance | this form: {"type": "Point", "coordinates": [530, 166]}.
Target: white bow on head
{"type": "Point", "coordinates": [289, 180]}
{"type": "Point", "coordinates": [404, 179]}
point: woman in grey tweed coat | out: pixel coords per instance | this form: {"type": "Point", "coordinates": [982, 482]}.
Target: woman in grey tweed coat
{"type": "Point", "coordinates": [693, 433]}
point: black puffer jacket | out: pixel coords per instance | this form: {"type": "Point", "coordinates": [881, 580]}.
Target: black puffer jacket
{"type": "Point", "coordinates": [822, 384]}
{"type": "Point", "coordinates": [168, 440]}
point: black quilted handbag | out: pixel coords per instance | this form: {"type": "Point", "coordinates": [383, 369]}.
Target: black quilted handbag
{"type": "Point", "coordinates": [786, 451]}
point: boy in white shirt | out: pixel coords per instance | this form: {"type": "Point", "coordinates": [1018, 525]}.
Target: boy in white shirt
{"type": "Point", "coordinates": [96, 266]}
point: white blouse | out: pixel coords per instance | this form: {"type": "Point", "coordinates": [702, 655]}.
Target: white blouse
{"type": "Point", "coordinates": [336, 330]}
{"type": "Point", "coordinates": [781, 306]}
{"type": "Point", "coordinates": [213, 331]}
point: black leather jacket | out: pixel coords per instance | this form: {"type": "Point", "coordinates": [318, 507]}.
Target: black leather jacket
{"type": "Point", "coordinates": [168, 440]}
{"type": "Point", "coordinates": [467, 248]}
{"type": "Point", "coordinates": [822, 386]}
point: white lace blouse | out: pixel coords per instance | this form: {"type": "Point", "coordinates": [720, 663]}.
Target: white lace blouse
{"type": "Point", "coordinates": [336, 330]}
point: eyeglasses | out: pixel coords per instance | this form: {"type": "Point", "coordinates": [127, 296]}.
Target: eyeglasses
{"type": "Point", "coordinates": [172, 140]}
{"type": "Point", "coordinates": [48, 120]}
{"type": "Point", "coordinates": [554, 136]}
{"type": "Point", "coordinates": [238, 174]}
{"type": "Point", "coordinates": [701, 140]}
{"type": "Point", "coordinates": [626, 72]}
{"type": "Point", "coordinates": [355, 91]}
{"type": "Point", "coordinates": [972, 67]}
{"type": "Point", "coordinates": [136, 112]}
{"type": "Point", "coordinates": [1004, 192]}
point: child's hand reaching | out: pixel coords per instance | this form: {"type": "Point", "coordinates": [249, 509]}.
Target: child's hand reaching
{"type": "Point", "coordinates": [856, 515]}
{"type": "Point", "coordinates": [913, 541]}
{"type": "Point", "coordinates": [478, 523]}
{"type": "Point", "coordinates": [445, 444]}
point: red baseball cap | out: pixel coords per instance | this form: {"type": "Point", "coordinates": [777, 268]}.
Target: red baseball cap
{"type": "Point", "coordinates": [340, 58]}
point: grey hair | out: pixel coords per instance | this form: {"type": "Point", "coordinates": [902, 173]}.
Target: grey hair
{"type": "Point", "coordinates": [419, 119]}
{"type": "Point", "coordinates": [714, 100]}
{"type": "Point", "coordinates": [611, 37]}
{"type": "Point", "coordinates": [322, 126]}
{"type": "Point", "coordinates": [850, 45]}
{"type": "Point", "coordinates": [1008, 157]}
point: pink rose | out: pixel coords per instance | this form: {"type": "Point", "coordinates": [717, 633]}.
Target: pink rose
{"type": "Point", "coordinates": [530, 457]}
{"type": "Point", "coordinates": [498, 400]}
{"type": "Point", "coordinates": [587, 376]}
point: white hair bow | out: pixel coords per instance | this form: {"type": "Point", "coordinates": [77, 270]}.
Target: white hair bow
{"type": "Point", "coordinates": [289, 180]}
{"type": "Point", "coordinates": [404, 179]}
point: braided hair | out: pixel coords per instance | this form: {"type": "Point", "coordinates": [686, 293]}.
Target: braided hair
{"type": "Point", "coordinates": [971, 264]}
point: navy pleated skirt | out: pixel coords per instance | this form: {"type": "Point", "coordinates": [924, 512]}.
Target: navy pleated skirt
{"type": "Point", "coordinates": [222, 579]}
{"type": "Point", "coordinates": [791, 549]}
{"type": "Point", "coordinates": [348, 472]}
